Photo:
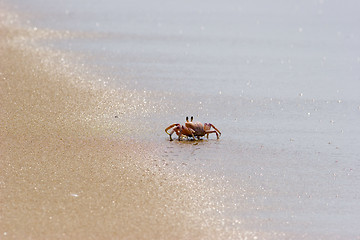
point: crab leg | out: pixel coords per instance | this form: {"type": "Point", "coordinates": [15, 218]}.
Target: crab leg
{"type": "Point", "coordinates": [192, 132]}
{"type": "Point", "coordinates": [172, 130]}
{"type": "Point", "coordinates": [208, 126]}
{"type": "Point", "coordinates": [171, 126]}
{"type": "Point", "coordinates": [186, 132]}
{"type": "Point", "coordinates": [171, 133]}
{"type": "Point", "coordinates": [215, 128]}
{"type": "Point", "coordinates": [207, 132]}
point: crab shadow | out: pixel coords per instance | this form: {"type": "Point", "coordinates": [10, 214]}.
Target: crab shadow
{"type": "Point", "coordinates": [192, 141]}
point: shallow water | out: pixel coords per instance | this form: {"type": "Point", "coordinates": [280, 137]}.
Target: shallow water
{"type": "Point", "coordinates": [279, 80]}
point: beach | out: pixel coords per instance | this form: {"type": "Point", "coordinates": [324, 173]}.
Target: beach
{"type": "Point", "coordinates": [64, 174]}
{"type": "Point", "coordinates": [87, 89]}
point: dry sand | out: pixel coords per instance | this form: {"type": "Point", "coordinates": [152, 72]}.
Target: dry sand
{"type": "Point", "coordinates": [69, 172]}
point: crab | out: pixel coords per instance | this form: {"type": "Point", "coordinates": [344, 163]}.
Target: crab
{"type": "Point", "coordinates": [192, 129]}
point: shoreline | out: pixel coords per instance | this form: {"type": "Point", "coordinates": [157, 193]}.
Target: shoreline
{"type": "Point", "coordinates": [66, 173]}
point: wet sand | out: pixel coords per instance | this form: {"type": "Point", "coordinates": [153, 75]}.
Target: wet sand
{"type": "Point", "coordinates": [68, 171]}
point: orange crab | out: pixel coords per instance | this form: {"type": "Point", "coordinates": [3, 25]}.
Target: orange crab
{"type": "Point", "coordinates": [192, 129]}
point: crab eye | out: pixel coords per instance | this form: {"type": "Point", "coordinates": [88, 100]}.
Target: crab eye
{"type": "Point", "coordinates": [187, 119]}
{"type": "Point", "coordinates": [191, 119]}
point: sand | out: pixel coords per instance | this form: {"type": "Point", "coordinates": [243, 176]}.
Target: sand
{"type": "Point", "coordinates": [68, 171]}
